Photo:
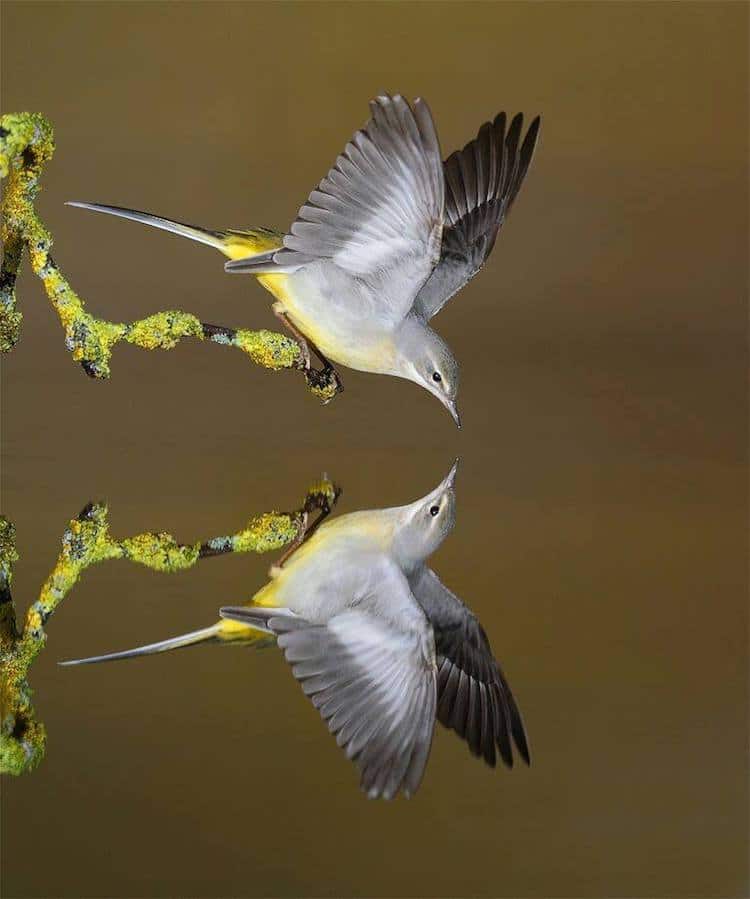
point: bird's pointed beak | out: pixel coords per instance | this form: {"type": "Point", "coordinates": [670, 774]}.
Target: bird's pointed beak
{"type": "Point", "coordinates": [452, 407]}
{"type": "Point", "coordinates": [450, 404]}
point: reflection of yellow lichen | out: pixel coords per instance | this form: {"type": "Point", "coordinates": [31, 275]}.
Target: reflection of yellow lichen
{"type": "Point", "coordinates": [86, 542]}
{"type": "Point", "coordinates": [266, 533]}
{"type": "Point", "coordinates": [161, 552]}
{"type": "Point", "coordinates": [324, 491]}
{"type": "Point", "coordinates": [26, 144]}
{"type": "Point", "coordinates": [22, 738]}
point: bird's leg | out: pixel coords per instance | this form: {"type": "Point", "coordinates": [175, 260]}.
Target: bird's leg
{"type": "Point", "coordinates": [325, 362]}
{"type": "Point", "coordinates": [274, 570]}
{"type": "Point", "coordinates": [280, 313]}
{"type": "Point", "coordinates": [326, 382]}
{"type": "Point", "coordinates": [321, 502]}
{"type": "Point", "coordinates": [315, 501]}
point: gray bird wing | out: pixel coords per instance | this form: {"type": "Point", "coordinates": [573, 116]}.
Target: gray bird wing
{"type": "Point", "coordinates": [378, 214]}
{"type": "Point", "coordinates": [474, 698]}
{"type": "Point", "coordinates": [482, 181]}
{"type": "Point", "coordinates": [372, 678]}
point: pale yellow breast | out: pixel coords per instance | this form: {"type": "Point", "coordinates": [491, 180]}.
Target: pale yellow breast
{"type": "Point", "coordinates": [334, 338]}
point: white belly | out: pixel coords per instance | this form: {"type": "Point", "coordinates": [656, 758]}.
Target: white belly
{"type": "Point", "coordinates": [343, 323]}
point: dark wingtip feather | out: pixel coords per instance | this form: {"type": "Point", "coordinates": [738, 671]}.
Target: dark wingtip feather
{"type": "Point", "coordinates": [525, 155]}
{"type": "Point", "coordinates": [503, 727]}
{"type": "Point", "coordinates": [519, 738]}
{"type": "Point", "coordinates": [488, 735]}
{"type": "Point", "coordinates": [517, 727]}
{"type": "Point", "coordinates": [512, 137]}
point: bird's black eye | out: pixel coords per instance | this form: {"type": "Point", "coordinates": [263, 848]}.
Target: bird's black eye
{"type": "Point", "coordinates": [436, 377]}
{"type": "Point", "coordinates": [434, 510]}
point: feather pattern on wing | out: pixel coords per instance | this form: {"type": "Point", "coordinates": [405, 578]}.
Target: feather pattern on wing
{"type": "Point", "coordinates": [378, 214]}
{"type": "Point", "coordinates": [482, 182]}
{"type": "Point", "coordinates": [474, 698]}
{"type": "Point", "coordinates": [382, 201]}
{"type": "Point", "coordinates": [372, 677]}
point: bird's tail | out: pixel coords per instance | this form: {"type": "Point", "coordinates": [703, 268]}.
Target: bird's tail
{"type": "Point", "coordinates": [233, 244]}
{"type": "Point", "coordinates": [221, 632]}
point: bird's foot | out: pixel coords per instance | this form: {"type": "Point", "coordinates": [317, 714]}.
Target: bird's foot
{"type": "Point", "coordinates": [321, 498]}
{"type": "Point", "coordinates": [325, 383]}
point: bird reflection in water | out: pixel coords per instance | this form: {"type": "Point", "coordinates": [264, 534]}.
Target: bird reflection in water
{"type": "Point", "coordinates": [378, 643]}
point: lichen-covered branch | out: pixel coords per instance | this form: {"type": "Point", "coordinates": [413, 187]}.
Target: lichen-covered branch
{"type": "Point", "coordinates": [8, 555]}
{"type": "Point", "coordinates": [26, 144]}
{"type": "Point", "coordinates": [86, 542]}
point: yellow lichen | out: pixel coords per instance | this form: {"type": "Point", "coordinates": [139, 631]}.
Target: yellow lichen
{"type": "Point", "coordinates": [22, 738]}
{"type": "Point", "coordinates": [160, 552]}
{"type": "Point", "coordinates": [269, 349]}
{"type": "Point", "coordinates": [26, 143]}
{"type": "Point", "coordinates": [324, 385]}
{"type": "Point", "coordinates": [326, 490]}
{"type": "Point", "coordinates": [266, 533]}
{"type": "Point", "coordinates": [164, 330]}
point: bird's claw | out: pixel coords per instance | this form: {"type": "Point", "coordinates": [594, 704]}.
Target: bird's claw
{"type": "Point", "coordinates": [324, 383]}
{"type": "Point", "coordinates": [322, 499]}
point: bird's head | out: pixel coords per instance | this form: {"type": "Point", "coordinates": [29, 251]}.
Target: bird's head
{"type": "Point", "coordinates": [425, 358]}
{"type": "Point", "coordinates": [423, 525]}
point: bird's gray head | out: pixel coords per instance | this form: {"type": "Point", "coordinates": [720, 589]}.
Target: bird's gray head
{"type": "Point", "coordinates": [424, 357]}
{"type": "Point", "coordinates": [423, 525]}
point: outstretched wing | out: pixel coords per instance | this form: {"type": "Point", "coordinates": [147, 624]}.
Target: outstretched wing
{"type": "Point", "coordinates": [482, 181]}
{"type": "Point", "coordinates": [371, 677]}
{"type": "Point", "coordinates": [378, 214]}
{"type": "Point", "coordinates": [474, 698]}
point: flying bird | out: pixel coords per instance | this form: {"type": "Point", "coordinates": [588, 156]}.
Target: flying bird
{"type": "Point", "coordinates": [383, 242]}
{"type": "Point", "coordinates": [378, 643]}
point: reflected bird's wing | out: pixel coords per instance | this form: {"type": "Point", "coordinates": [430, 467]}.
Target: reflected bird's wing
{"type": "Point", "coordinates": [378, 214]}
{"type": "Point", "coordinates": [474, 698]}
{"type": "Point", "coordinates": [482, 181]}
{"type": "Point", "coordinates": [371, 677]}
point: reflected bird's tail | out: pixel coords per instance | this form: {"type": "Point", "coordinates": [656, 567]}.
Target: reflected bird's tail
{"type": "Point", "coordinates": [203, 635]}
{"type": "Point", "coordinates": [221, 632]}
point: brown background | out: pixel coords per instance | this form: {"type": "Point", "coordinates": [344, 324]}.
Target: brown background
{"type": "Point", "coordinates": [601, 532]}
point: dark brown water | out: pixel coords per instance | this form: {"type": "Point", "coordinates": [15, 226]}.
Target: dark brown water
{"type": "Point", "coordinates": [602, 498]}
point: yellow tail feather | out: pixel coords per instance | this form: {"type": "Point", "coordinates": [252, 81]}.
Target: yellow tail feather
{"type": "Point", "coordinates": [241, 244]}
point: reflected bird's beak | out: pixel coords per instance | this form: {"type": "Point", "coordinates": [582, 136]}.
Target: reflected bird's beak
{"type": "Point", "coordinates": [450, 478]}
